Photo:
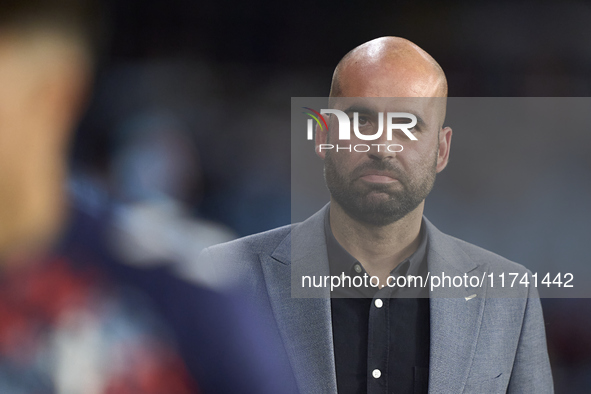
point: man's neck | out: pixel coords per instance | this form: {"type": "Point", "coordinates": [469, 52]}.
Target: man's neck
{"type": "Point", "coordinates": [378, 249]}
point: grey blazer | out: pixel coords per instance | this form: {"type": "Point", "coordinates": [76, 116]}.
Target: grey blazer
{"type": "Point", "coordinates": [493, 342]}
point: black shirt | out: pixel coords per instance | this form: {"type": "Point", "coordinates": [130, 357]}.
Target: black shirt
{"type": "Point", "coordinates": [381, 337]}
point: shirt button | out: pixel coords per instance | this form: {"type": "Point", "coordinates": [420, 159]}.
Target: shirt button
{"type": "Point", "coordinates": [379, 303]}
{"type": "Point", "coordinates": [376, 373]}
{"type": "Point", "coordinates": [357, 268]}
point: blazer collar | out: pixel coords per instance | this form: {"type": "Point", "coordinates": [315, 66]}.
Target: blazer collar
{"type": "Point", "coordinates": [456, 313]}
{"type": "Point", "coordinates": [305, 322]}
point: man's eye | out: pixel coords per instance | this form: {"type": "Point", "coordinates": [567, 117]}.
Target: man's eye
{"type": "Point", "coordinates": [363, 121]}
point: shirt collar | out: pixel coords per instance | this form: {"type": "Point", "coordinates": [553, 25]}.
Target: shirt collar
{"type": "Point", "coordinates": [339, 260]}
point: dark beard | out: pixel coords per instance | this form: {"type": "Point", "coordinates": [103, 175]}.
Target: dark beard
{"type": "Point", "coordinates": [354, 197]}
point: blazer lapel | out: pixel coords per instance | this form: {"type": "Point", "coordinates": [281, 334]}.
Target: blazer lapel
{"type": "Point", "coordinates": [305, 324]}
{"type": "Point", "coordinates": [456, 314]}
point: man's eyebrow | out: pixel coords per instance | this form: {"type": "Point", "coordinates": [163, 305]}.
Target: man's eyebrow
{"type": "Point", "coordinates": [361, 109]}
{"type": "Point", "coordinates": [420, 122]}
{"type": "Point", "coordinates": [365, 110]}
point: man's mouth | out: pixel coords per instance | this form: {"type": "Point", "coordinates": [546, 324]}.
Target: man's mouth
{"type": "Point", "coordinates": [375, 176]}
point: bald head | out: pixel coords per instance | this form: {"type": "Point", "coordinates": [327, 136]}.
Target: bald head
{"type": "Point", "coordinates": [388, 67]}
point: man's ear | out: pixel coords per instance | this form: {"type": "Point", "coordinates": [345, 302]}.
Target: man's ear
{"type": "Point", "coordinates": [444, 147]}
{"type": "Point", "coordinates": [320, 138]}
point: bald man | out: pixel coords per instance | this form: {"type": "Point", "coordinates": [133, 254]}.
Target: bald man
{"type": "Point", "coordinates": [377, 338]}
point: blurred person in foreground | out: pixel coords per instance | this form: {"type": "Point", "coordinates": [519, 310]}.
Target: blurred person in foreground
{"type": "Point", "coordinates": [71, 327]}
{"type": "Point", "coordinates": [61, 330]}
{"type": "Point", "coordinates": [371, 337]}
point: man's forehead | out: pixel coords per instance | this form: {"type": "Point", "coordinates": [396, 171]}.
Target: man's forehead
{"type": "Point", "coordinates": [426, 108]}
{"type": "Point", "coordinates": [382, 104]}
{"type": "Point", "coordinates": [364, 79]}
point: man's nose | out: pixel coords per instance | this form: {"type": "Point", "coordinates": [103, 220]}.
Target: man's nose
{"type": "Point", "coordinates": [383, 149]}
